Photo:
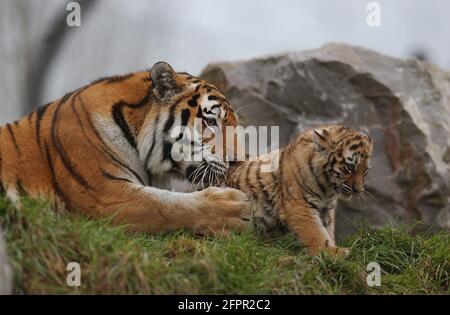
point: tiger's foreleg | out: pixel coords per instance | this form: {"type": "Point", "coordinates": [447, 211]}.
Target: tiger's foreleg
{"type": "Point", "coordinates": [152, 210]}
{"type": "Point", "coordinates": [308, 226]}
{"type": "Point", "coordinates": [328, 220]}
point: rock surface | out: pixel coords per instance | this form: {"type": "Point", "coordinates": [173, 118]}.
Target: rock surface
{"type": "Point", "coordinates": [403, 104]}
{"type": "Point", "coordinates": [5, 271]}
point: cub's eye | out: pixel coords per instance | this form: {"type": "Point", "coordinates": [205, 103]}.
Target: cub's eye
{"type": "Point", "coordinates": [210, 121]}
{"type": "Point", "coordinates": [339, 174]}
{"type": "Point", "coordinates": [350, 167]}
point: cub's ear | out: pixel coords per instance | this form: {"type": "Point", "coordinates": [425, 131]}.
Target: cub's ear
{"type": "Point", "coordinates": [322, 140]}
{"type": "Point", "coordinates": [369, 138]}
{"type": "Point", "coordinates": [164, 80]}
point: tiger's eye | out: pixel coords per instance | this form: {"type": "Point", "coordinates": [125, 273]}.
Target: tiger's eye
{"type": "Point", "coordinates": [210, 121]}
{"type": "Point", "coordinates": [350, 167]}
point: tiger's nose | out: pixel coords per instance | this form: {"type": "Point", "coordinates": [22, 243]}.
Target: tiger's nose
{"type": "Point", "coordinates": [358, 190]}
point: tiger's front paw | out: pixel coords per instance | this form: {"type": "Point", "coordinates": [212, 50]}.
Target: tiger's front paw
{"type": "Point", "coordinates": [224, 209]}
{"type": "Point", "coordinates": [214, 194]}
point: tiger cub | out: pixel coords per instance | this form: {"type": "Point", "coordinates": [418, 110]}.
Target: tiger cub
{"type": "Point", "coordinates": [300, 195]}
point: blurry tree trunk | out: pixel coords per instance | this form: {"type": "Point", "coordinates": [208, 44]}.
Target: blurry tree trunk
{"type": "Point", "coordinates": [41, 60]}
{"type": "Point", "coordinates": [13, 19]}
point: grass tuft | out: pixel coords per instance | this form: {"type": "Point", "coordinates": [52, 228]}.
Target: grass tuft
{"type": "Point", "coordinates": [41, 243]}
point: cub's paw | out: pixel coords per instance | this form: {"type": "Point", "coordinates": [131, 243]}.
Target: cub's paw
{"type": "Point", "coordinates": [333, 250]}
{"type": "Point", "coordinates": [338, 251]}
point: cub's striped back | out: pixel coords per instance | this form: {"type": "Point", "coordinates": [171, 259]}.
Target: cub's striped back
{"type": "Point", "coordinates": [318, 168]}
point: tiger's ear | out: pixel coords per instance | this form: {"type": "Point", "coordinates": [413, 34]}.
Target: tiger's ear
{"type": "Point", "coordinates": [322, 140]}
{"type": "Point", "coordinates": [369, 138]}
{"type": "Point", "coordinates": [164, 80]}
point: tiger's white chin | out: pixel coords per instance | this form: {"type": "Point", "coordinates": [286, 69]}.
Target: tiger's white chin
{"type": "Point", "coordinates": [345, 196]}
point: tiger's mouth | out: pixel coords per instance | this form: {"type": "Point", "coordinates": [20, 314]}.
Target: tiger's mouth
{"type": "Point", "coordinates": [345, 196]}
{"type": "Point", "coordinates": [344, 192]}
{"type": "Point", "coordinates": [208, 173]}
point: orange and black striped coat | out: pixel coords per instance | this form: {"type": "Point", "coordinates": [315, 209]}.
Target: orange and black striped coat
{"type": "Point", "coordinates": [100, 150]}
{"type": "Point", "coordinates": [300, 194]}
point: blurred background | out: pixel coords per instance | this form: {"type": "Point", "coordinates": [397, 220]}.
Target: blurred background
{"type": "Point", "coordinates": [404, 104]}
{"type": "Point", "coordinates": [41, 57]}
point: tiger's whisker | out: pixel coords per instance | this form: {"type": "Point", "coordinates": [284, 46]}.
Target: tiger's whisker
{"type": "Point", "coordinates": [369, 194]}
{"type": "Point", "coordinates": [195, 175]}
{"type": "Point", "coordinates": [198, 172]}
{"type": "Point", "coordinates": [204, 174]}
{"type": "Point", "coordinates": [210, 182]}
{"type": "Point", "coordinates": [239, 110]}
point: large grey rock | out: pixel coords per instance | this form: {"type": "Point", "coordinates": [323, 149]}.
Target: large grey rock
{"type": "Point", "coordinates": [5, 270]}
{"type": "Point", "coordinates": [403, 104]}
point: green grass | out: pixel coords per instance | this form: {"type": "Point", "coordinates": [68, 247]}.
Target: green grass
{"type": "Point", "coordinates": [41, 243]}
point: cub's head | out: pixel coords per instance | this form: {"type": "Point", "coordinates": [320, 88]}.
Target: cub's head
{"type": "Point", "coordinates": [189, 123]}
{"type": "Point", "coordinates": [346, 158]}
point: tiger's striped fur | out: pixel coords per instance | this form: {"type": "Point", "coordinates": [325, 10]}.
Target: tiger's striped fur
{"type": "Point", "coordinates": [318, 168]}
{"type": "Point", "coordinates": [99, 150]}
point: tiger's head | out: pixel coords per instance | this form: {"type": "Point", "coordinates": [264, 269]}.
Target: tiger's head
{"type": "Point", "coordinates": [346, 155]}
{"type": "Point", "coordinates": [188, 115]}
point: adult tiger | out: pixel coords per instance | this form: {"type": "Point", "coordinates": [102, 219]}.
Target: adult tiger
{"type": "Point", "coordinates": [99, 150]}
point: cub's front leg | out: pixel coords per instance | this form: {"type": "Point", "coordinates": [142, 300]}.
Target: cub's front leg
{"type": "Point", "coordinates": [308, 226]}
{"type": "Point", "coordinates": [329, 221]}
